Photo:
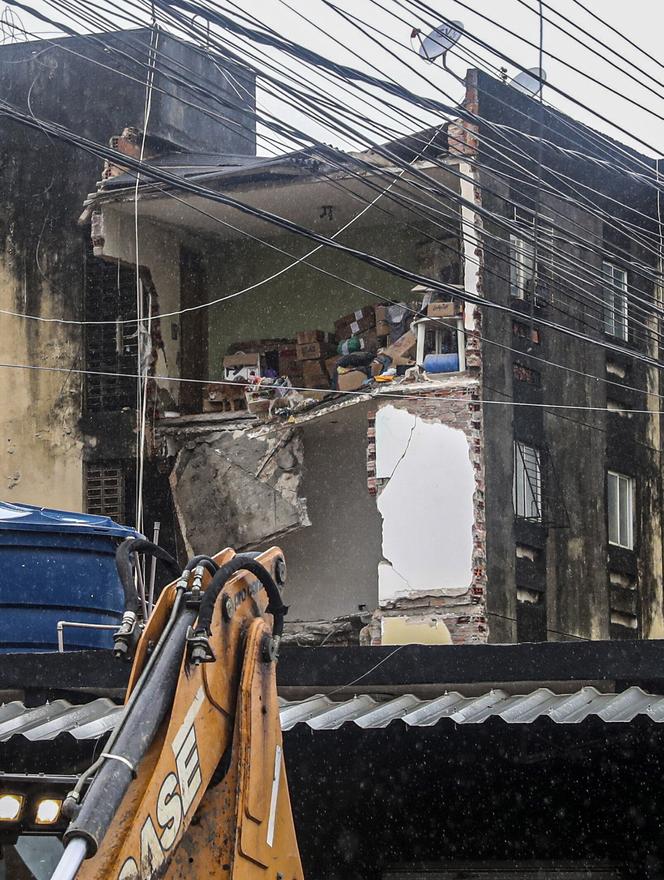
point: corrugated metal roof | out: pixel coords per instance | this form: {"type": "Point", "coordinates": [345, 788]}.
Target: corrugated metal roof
{"type": "Point", "coordinates": [88, 721]}
{"type": "Point", "coordinates": [322, 713]}
{"type": "Point", "coordinates": [94, 719]}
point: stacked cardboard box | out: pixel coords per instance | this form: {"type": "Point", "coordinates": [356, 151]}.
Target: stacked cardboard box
{"type": "Point", "coordinates": [354, 323]}
{"type": "Point", "coordinates": [312, 349]}
{"type": "Point", "coordinates": [382, 322]}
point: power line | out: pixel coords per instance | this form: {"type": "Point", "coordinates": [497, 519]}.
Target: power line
{"type": "Point", "coordinates": [288, 225]}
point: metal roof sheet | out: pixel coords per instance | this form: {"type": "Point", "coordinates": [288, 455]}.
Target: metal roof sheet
{"type": "Point", "coordinates": [94, 719]}
{"type": "Point", "coordinates": [87, 721]}
{"type": "Point", "coordinates": [322, 713]}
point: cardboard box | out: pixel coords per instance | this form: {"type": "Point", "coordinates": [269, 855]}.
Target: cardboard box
{"type": "Point", "coordinates": [242, 366]}
{"type": "Point", "coordinates": [354, 323]}
{"type": "Point", "coordinates": [313, 351]}
{"type": "Point", "coordinates": [351, 381]}
{"type": "Point", "coordinates": [369, 341]}
{"type": "Point", "coordinates": [444, 309]}
{"type": "Point", "coordinates": [288, 362]}
{"type": "Point", "coordinates": [331, 365]}
{"type": "Point", "coordinates": [382, 323]}
{"type": "Point", "coordinates": [315, 374]}
{"type": "Point", "coordinates": [400, 350]}
{"type": "Point", "coordinates": [305, 336]}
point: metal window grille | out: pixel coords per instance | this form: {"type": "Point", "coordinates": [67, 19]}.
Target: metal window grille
{"type": "Point", "coordinates": [105, 491]}
{"type": "Point", "coordinates": [110, 295]}
{"type": "Point", "coordinates": [522, 258]}
{"type": "Point", "coordinates": [620, 498]}
{"type": "Point", "coordinates": [527, 490]}
{"type": "Point", "coordinates": [615, 301]}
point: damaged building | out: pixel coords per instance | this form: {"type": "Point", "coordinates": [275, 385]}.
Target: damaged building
{"type": "Point", "coordinates": [405, 444]}
{"type": "Point", "coordinates": [401, 436]}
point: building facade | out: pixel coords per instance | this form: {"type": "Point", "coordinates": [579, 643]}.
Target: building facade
{"type": "Point", "coordinates": [516, 497]}
{"type": "Point", "coordinates": [57, 426]}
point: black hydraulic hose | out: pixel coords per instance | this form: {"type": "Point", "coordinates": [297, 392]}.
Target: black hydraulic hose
{"type": "Point", "coordinates": [241, 562]}
{"type": "Point", "coordinates": [206, 561]}
{"type": "Point", "coordinates": [126, 569]}
{"type": "Point", "coordinates": [138, 730]}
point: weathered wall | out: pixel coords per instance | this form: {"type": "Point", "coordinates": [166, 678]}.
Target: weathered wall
{"type": "Point", "coordinates": [42, 186]}
{"type": "Point", "coordinates": [333, 565]}
{"type": "Point", "coordinates": [561, 579]}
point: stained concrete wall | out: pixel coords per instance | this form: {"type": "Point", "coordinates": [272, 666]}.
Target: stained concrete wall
{"type": "Point", "coordinates": [333, 564]}
{"type": "Point", "coordinates": [565, 563]}
{"type": "Point", "coordinates": [42, 186]}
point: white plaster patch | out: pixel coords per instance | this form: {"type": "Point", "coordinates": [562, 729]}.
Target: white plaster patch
{"type": "Point", "coordinates": [427, 505]}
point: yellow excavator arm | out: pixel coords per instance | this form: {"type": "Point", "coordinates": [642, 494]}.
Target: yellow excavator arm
{"type": "Point", "coordinates": [192, 782]}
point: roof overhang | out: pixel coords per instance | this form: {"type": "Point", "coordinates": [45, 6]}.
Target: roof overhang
{"type": "Point", "coordinates": [322, 201]}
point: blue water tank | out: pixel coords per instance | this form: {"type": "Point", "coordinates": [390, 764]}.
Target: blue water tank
{"type": "Point", "coordinates": [441, 363]}
{"type": "Point", "coordinates": [57, 566]}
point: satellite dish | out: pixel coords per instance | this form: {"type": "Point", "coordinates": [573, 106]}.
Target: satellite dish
{"type": "Point", "coordinates": [529, 82]}
{"type": "Point", "coordinates": [440, 40]}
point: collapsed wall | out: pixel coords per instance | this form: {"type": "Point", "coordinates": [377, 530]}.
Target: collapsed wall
{"type": "Point", "coordinates": [425, 467]}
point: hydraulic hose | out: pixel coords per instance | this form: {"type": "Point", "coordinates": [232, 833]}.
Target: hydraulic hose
{"type": "Point", "coordinates": [126, 569]}
{"type": "Point", "coordinates": [206, 561]}
{"type": "Point", "coordinates": [245, 562]}
{"type": "Point", "coordinates": [139, 727]}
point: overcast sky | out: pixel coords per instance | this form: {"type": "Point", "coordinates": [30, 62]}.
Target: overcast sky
{"type": "Point", "coordinates": [640, 20]}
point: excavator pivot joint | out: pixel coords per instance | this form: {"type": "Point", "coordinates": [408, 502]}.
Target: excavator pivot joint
{"type": "Point", "coordinates": [270, 649]}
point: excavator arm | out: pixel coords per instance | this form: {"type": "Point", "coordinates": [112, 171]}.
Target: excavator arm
{"type": "Point", "coordinates": [192, 782]}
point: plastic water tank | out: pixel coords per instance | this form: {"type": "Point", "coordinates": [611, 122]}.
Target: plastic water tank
{"type": "Point", "coordinates": [57, 566]}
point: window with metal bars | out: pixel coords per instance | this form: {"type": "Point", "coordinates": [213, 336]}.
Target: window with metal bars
{"type": "Point", "coordinates": [111, 348]}
{"type": "Point", "coordinates": [615, 301]}
{"type": "Point", "coordinates": [527, 490]}
{"type": "Point", "coordinates": [522, 258]}
{"type": "Point", "coordinates": [105, 490]}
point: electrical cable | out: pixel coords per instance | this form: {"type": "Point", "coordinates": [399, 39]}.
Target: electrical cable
{"type": "Point", "coordinates": [124, 160]}
{"type": "Point", "coordinates": [364, 394]}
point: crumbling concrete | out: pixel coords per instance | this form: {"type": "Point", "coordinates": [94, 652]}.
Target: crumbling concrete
{"type": "Point", "coordinates": [238, 488]}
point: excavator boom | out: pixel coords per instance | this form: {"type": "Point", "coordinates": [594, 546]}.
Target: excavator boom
{"type": "Point", "coordinates": [192, 782]}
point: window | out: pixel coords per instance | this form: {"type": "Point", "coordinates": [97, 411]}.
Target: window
{"type": "Point", "coordinates": [615, 300]}
{"type": "Point", "coordinates": [527, 490]}
{"type": "Point", "coordinates": [525, 331]}
{"type": "Point", "coordinates": [105, 491]}
{"type": "Point", "coordinates": [620, 497]}
{"type": "Point", "coordinates": [521, 266]}
{"type": "Point", "coordinates": [522, 257]}
{"type": "Point", "coordinates": [522, 373]}
{"type": "Point", "coordinates": [110, 347]}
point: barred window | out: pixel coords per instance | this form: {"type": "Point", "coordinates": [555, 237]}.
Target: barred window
{"type": "Point", "coordinates": [527, 489]}
{"type": "Point", "coordinates": [105, 491]}
{"type": "Point", "coordinates": [615, 300]}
